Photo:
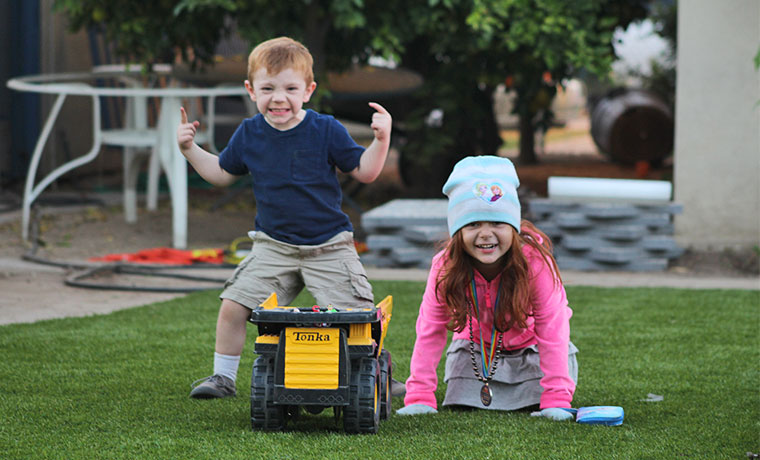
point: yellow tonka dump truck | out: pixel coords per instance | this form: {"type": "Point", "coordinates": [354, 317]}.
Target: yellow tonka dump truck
{"type": "Point", "coordinates": [320, 357]}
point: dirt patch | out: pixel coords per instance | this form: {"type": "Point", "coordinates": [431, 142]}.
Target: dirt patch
{"type": "Point", "coordinates": [729, 262]}
{"type": "Point", "coordinates": [82, 231]}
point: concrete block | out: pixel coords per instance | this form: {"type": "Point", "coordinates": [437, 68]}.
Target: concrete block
{"type": "Point", "coordinates": [541, 207]}
{"type": "Point", "coordinates": [668, 229]}
{"type": "Point", "coordinates": [580, 243]}
{"type": "Point", "coordinates": [562, 252]}
{"type": "Point", "coordinates": [576, 263]}
{"type": "Point", "coordinates": [584, 264]}
{"type": "Point", "coordinates": [667, 254]}
{"type": "Point", "coordinates": [426, 234]}
{"type": "Point", "coordinates": [658, 243]}
{"type": "Point", "coordinates": [402, 213]}
{"type": "Point", "coordinates": [627, 233]}
{"type": "Point", "coordinates": [587, 235]}
{"type": "Point", "coordinates": [654, 220]}
{"type": "Point", "coordinates": [412, 255]}
{"type": "Point", "coordinates": [572, 220]}
{"type": "Point", "coordinates": [376, 242]}
{"type": "Point", "coordinates": [662, 246]}
{"type": "Point", "coordinates": [648, 265]}
{"type": "Point", "coordinates": [608, 210]}
{"type": "Point", "coordinates": [615, 255]}
{"type": "Point", "coordinates": [667, 208]}
{"type": "Point", "coordinates": [371, 259]}
{"type": "Point", "coordinates": [550, 228]}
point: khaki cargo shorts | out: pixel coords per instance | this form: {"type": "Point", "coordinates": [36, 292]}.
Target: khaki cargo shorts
{"type": "Point", "coordinates": [331, 271]}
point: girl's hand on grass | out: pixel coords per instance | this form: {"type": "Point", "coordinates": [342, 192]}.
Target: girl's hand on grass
{"type": "Point", "coordinates": [416, 409]}
{"type": "Point", "coordinates": [555, 413]}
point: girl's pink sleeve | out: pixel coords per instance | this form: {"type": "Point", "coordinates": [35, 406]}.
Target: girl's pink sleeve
{"type": "Point", "coordinates": [552, 327]}
{"type": "Point", "coordinates": [431, 340]}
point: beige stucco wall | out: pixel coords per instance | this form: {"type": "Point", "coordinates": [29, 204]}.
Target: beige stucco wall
{"type": "Point", "coordinates": [717, 139]}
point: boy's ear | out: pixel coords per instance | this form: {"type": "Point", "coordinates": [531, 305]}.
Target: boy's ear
{"type": "Point", "coordinates": [249, 88]}
{"type": "Point", "coordinates": [309, 91]}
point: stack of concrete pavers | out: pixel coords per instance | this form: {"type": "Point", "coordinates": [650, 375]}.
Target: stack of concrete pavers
{"type": "Point", "coordinates": [593, 236]}
{"type": "Point", "coordinates": [404, 232]}
{"type": "Point", "coordinates": [608, 235]}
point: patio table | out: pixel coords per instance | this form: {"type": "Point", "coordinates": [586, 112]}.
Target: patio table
{"type": "Point", "coordinates": [85, 84]}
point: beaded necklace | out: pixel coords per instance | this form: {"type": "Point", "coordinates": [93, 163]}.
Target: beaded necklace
{"type": "Point", "coordinates": [488, 360]}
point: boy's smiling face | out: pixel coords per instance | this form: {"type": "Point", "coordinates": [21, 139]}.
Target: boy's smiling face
{"type": "Point", "coordinates": [280, 97]}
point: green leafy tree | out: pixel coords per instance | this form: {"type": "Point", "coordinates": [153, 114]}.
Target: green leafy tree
{"type": "Point", "coordinates": [463, 49]}
{"type": "Point", "coordinates": [149, 32]}
{"type": "Point", "coordinates": [337, 32]}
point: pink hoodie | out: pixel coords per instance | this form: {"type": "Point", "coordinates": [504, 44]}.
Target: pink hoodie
{"type": "Point", "coordinates": [548, 325]}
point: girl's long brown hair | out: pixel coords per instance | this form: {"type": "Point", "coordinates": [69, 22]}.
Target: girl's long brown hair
{"type": "Point", "coordinates": [514, 292]}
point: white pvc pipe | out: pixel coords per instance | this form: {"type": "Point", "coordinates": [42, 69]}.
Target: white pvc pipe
{"type": "Point", "coordinates": [590, 188]}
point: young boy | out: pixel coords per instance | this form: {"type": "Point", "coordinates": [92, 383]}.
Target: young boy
{"type": "Point", "coordinates": [302, 236]}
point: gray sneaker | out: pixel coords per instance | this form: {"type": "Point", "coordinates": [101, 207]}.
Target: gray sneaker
{"type": "Point", "coordinates": [397, 388]}
{"type": "Point", "coordinates": [216, 386]}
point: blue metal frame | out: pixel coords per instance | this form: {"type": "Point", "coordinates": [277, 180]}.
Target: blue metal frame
{"type": "Point", "coordinates": [23, 51]}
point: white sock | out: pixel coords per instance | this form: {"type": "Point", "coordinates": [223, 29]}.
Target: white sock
{"type": "Point", "coordinates": [226, 365]}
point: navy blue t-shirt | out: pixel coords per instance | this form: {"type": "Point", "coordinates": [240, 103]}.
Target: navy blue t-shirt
{"type": "Point", "coordinates": [298, 197]}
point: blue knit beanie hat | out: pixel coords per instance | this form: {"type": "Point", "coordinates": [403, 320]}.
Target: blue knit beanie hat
{"type": "Point", "coordinates": [482, 188]}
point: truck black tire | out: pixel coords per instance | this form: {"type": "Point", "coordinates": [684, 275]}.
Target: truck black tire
{"type": "Point", "coordinates": [362, 415]}
{"type": "Point", "coordinates": [265, 415]}
{"type": "Point", "coordinates": [386, 374]}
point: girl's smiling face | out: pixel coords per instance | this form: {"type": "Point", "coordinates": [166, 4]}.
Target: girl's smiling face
{"type": "Point", "coordinates": [280, 97]}
{"type": "Point", "coordinates": [487, 243]}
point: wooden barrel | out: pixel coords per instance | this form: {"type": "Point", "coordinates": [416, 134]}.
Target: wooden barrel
{"type": "Point", "coordinates": [632, 125]}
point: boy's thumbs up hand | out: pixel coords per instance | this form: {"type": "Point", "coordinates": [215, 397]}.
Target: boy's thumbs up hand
{"type": "Point", "coordinates": [381, 122]}
{"type": "Point", "coordinates": [186, 131]}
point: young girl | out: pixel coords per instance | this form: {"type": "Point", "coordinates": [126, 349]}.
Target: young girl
{"type": "Point", "coordinates": [497, 287]}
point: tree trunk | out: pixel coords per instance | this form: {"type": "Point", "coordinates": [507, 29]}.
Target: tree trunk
{"type": "Point", "coordinates": [315, 31]}
{"type": "Point", "coordinates": [527, 140]}
{"type": "Point", "coordinates": [490, 140]}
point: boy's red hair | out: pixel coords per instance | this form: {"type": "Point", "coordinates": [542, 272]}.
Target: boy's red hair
{"type": "Point", "coordinates": [514, 295]}
{"type": "Point", "coordinates": [278, 54]}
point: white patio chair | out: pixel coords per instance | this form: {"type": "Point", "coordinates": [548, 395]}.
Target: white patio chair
{"type": "Point", "coordinates": [139, 142]}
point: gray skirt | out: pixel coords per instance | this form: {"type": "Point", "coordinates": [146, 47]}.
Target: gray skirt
{"type": "Point", "coordinates": [515, 384]}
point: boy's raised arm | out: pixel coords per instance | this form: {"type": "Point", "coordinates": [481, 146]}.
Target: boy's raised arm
{"type": "Point", "coordinates": [373, 159]}
{"type": "Point", "coordinates": [205, 163]}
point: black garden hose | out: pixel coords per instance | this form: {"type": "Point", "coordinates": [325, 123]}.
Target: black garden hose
{"type": "Point", "coordinates": [81, 271]}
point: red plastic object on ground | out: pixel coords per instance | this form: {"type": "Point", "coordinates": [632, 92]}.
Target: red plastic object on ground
{"type": "Point", "coordinates": [166, 256]}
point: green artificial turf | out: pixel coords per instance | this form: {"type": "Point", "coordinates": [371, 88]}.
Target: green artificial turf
{"type": "Point", "coordinates": [116, 386]}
